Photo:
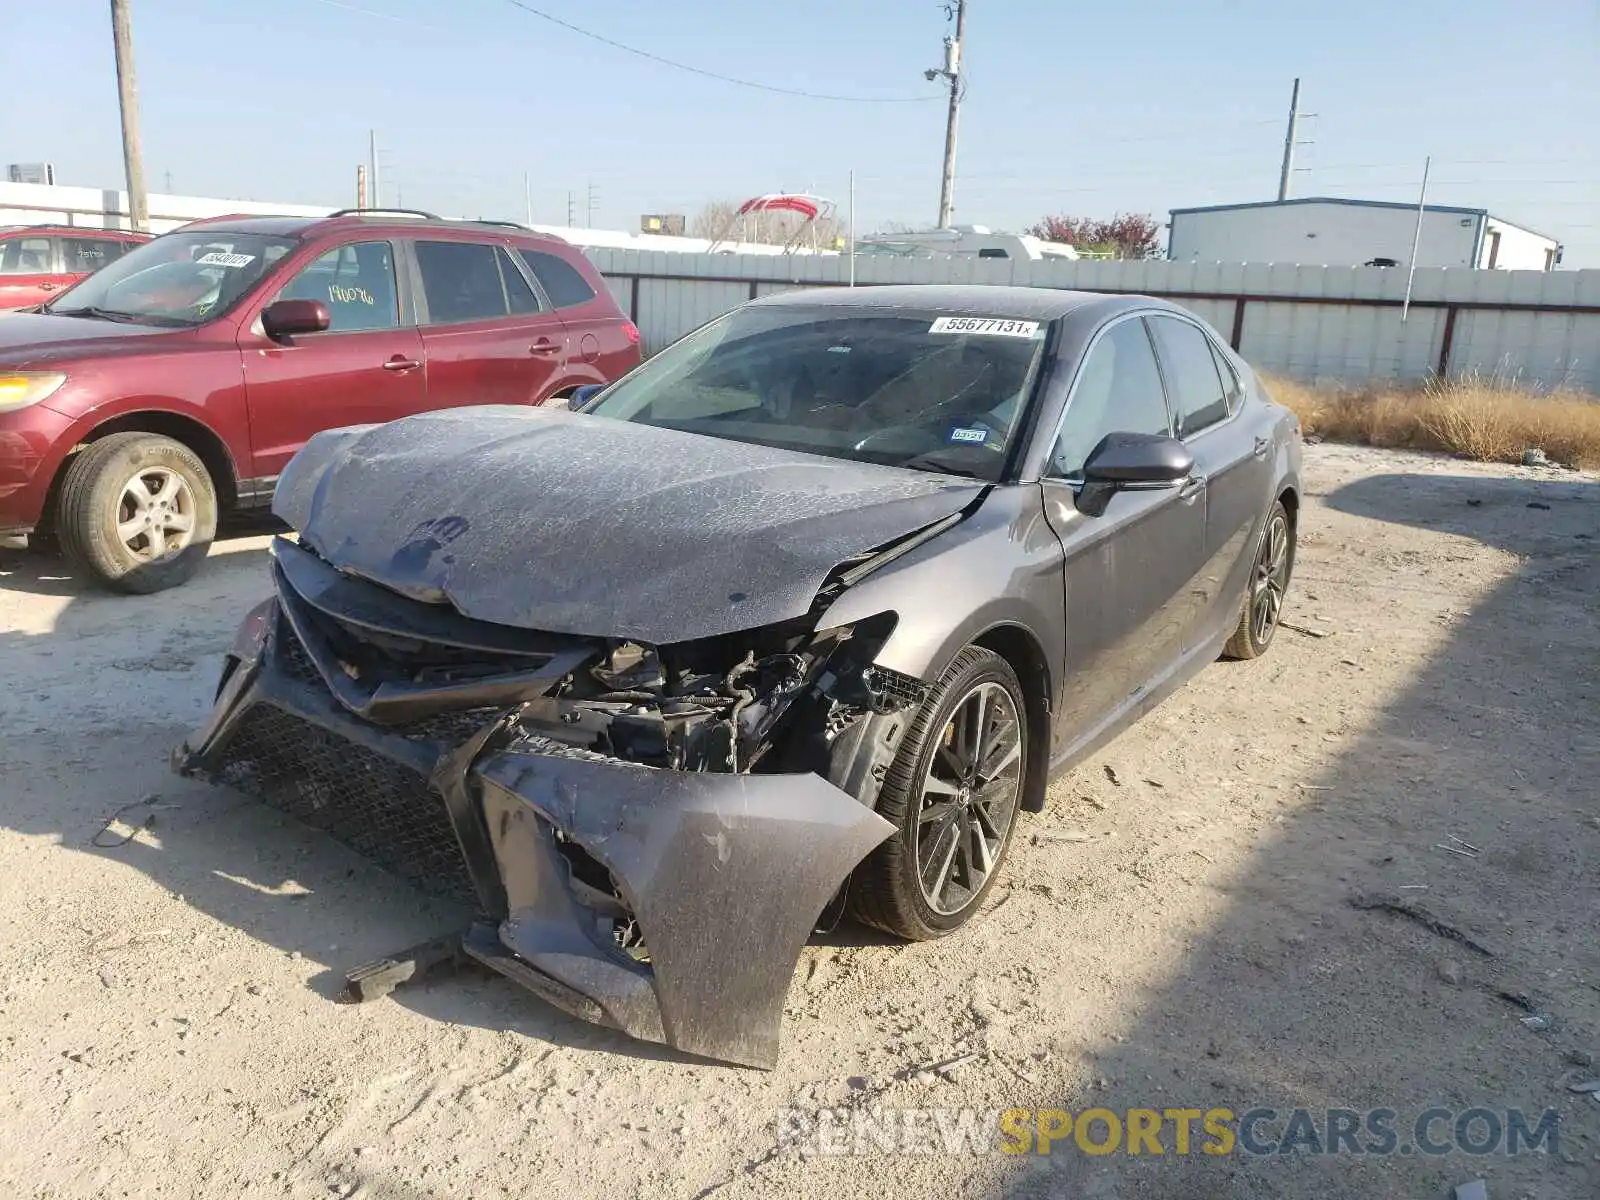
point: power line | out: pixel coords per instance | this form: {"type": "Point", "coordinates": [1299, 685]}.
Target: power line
{"type": "Point", "coordinates": [748, 83]}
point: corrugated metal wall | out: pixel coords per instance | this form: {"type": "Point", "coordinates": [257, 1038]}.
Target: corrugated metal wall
{"type": "Point", "coordinates": [1315, 323]}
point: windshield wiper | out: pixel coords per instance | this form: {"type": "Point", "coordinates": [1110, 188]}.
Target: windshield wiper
{"type": "Point", "coordinates": [89, 310]}
{"type": "Point", "coordinates": [933, 462]}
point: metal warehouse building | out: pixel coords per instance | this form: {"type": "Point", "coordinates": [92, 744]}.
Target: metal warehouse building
{"type": "Point", "coordinates": [1318, 231]}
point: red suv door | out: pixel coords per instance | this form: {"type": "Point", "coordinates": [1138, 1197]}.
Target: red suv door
{"type": "Point", "coordinates": [489, 338]}
{"type": "Point", "coordinates": [369, 367]}
{"type": "Point", "coordinates": [598, 336]}
{"type": "Point", "coordinates": [29, 271]}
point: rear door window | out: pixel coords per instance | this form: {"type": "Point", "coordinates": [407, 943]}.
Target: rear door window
{"type": "Point", "coordinates": [1230, 379]}
{"type": "Point", "coordinates": [560, 279]}
{"type": "Point", "coordinates": [461, 281]}
{"type": "Point", "coordinates": [80, 256]}
{"type": "Point", "coordinates": [356, 282]}
{"type": "Point", "coordinates": [1196, 391]}
{"type": "Point", "coordinates": [27, 256]}
{"type": "Point", "coordinates": [519, 293]}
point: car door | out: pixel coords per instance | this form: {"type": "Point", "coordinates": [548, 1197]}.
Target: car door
{"type": "Point", "coordinates": [1230, 450]}
{"type": "Point", "coordinates": [29, 270]}
{"type": "Point", "coordinates": [490, 339]}
{"type": "Point", "coordinates": [1130, 570]}
{"type": "Point", "coordinates": [369, 366]}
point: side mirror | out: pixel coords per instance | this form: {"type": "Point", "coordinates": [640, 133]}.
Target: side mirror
{"type": "Point", "coordinates": [1123, 461]}
{"type": "Point", "coordinates": [289, 318]}
{"type": "Point", "coordinates": [585, 394]}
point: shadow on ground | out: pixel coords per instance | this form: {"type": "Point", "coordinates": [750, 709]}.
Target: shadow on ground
{"type": "Point", "coordinates": [1250, 1018]}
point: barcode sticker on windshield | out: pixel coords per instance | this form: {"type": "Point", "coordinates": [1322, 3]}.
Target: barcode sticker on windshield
{"type": "Point", "coordinates": [987, 326]}
{"type": "Point", "coordinates": [218, 259]}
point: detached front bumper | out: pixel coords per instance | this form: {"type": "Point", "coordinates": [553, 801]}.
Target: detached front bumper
{"type": "Point", "coordinates": [723, 876]}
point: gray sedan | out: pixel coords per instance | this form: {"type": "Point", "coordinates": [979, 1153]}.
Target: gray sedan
{"type": "Point", "coordinates": [792, 621]}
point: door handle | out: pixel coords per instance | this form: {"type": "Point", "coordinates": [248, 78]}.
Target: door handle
{"type": "Point", "coordinates": [1261, 447]}
{"type": "Point", "coordinates": [545, 347]}
{"type": "Point", "coordinates": [48, 287]}
{"type": "Point", "coordinates": [1192, 487]}
{"type": "Point", "coordinates": [399, 363]}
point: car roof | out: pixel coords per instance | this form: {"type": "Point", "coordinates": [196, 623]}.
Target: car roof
{"type": "Point", "coordinates": [966, 299]}
{"type": "Point", "coordinates": [83, 231]}
{"type": "Point", "coordinates": [375, 220]}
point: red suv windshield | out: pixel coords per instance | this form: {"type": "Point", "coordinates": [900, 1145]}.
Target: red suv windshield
{"type": "Point", "coordinates": [178, 279]}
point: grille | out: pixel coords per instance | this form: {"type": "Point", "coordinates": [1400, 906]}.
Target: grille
{"type": "Point", "coordinates": [380, 808]}
{"type": "Point", "coordinates": [296, 659]}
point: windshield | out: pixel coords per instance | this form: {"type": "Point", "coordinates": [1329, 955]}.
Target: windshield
{"type": "Point", "coordinates": [177, 279]}
{"type": "Point", "coordinates": [907, 388]}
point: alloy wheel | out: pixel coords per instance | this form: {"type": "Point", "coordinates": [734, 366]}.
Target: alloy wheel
{"type": "Point", "coordinates": [969, 798]}
{"type": "Point", "coordinates": [1269, 580]}
{"type": "Point", "coordinates": [155, 513]}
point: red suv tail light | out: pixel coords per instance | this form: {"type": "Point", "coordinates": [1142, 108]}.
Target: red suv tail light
{"type": "Point", "coordinates": [632, 331]}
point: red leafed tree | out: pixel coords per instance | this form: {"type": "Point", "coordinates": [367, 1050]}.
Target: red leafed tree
{"type": "Point", "coordinates": [1126, 235]}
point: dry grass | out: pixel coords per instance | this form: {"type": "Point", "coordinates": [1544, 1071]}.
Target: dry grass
{"type": "Point", "coordinates": [1480, 417]}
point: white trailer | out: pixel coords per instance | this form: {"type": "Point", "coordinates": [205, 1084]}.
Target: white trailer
{"type": "Point", "coordinates": [1320, 231]}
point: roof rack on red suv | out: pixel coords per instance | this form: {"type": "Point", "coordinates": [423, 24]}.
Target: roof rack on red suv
{"type": "Point", "coordinates": [182, 378]}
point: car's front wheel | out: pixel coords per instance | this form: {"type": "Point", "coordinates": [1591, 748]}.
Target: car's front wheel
{"type": "Point", "coordinates": [953, 794]}
{"type": "Point", "coordinates": [138, 512]}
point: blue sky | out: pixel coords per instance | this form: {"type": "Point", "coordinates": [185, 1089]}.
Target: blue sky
{"type": "Point", "coordinates": [1140, 105]}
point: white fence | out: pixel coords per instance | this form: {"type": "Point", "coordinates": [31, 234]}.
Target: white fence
{"type": "Point", "coordinates": [1313, 323]}
{"type": "Point", "coordinates": [107, 208]}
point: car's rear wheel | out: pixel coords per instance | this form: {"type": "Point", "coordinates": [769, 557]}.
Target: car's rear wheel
{"type": "Point", "coordinates": [138, 512]}
{"type": "Point", "coordinates": [1269, 585]}
{"type": "Point", "coordinates": [953, 794]}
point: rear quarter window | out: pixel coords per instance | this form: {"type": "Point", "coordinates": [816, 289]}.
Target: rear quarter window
{"type": "Point", "coordinates": [561, 281]}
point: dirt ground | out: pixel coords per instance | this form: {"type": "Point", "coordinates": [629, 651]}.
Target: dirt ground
{"type": "Point", "coordinates": [1196, 933]}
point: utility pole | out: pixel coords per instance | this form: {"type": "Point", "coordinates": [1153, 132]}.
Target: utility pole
{"type": "Point", "coordinates": [372, 172]}
{"type": "Point", "coordinates": [572, 209]}
{"type": "Point", "coordinates": [1416, 238]}
{"type": "Point", "coordinates": [169, 182]}
{"type": "Point", "coordinates": [852, 227]}
{"type": "Point", "coordinates": [591, 203]}
{"type": "Point", "coordinates": [128, 98]}
{"type": "Point", "coordinates": [527, 195]}
{"type": "Point", "coordinates": [1287, 173]}
{"type": "Point", "coordinates": [951, 74]}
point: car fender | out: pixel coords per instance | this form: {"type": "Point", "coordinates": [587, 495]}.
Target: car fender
{"type": "Point", "coordinates": [87, 422]}
{"type": "Point", "coordinates": [1000, 566]}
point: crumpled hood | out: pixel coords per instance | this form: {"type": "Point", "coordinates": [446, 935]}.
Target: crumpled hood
{"type": "Point", "coordinates": [578, 524]}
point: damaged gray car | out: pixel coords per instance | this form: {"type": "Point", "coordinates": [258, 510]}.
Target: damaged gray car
{"type": "Point", "coordinates": [793, 621]}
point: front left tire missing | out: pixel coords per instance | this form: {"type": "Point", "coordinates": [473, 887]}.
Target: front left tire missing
{"type": "Point", "coordinates": [953, 794]}
{"type": "Point", "coordinates": [138, 512]}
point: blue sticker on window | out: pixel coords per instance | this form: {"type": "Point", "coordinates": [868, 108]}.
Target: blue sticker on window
{"type": "Point", "coordinates": [969, 435]}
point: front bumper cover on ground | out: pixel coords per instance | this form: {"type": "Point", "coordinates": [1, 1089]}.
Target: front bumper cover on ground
{"type": "Point", "coordinates": [724, 874]}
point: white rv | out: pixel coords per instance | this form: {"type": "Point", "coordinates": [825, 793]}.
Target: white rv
{"type": "Point", "coordinates": [964, 241]}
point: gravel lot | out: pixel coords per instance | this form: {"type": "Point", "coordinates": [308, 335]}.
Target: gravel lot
{"type": "Point", "coordinates": [1186, 935]}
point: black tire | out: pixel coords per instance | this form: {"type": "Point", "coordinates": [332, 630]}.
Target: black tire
{"type": "Point", "coordinates": [93, 497]}
{"type": "Point", "coordinates": [1251, 637]}
{"type": "Point", "coordinates": [886, 892]}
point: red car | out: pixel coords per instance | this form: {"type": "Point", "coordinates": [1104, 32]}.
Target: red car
{"type": "Point", "coordinates": [181, 378]}
{"type": "Point", "coordinates": [39, 261]}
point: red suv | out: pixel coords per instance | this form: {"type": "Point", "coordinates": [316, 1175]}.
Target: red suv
{"type": "Point", "coordinates": [38, 261]}
{"type": "Point", "coordinates": [182, 377]}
